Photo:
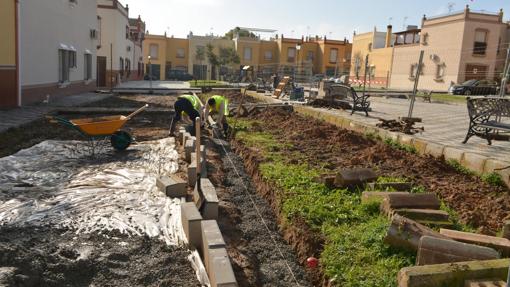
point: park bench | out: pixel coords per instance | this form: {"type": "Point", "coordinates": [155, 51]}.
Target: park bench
{"type": "Point", "coordinates": [487, 117]}
{"type": "Point", "coordinates": [426, 95]}
{"type": "Point", "coordinates": [346, 94]}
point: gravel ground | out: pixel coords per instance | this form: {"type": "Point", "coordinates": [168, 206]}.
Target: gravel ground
{"type": "Point", "coordinates": [34, 256]}
{"type": "Point", "coordinates": [256, 259]}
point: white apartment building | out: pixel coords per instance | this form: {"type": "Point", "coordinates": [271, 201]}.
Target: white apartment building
{"type": "Point", "coordinates": [57, 46]}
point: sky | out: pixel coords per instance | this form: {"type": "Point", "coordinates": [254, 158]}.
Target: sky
{"type": "Point", "coordinates": [334, 19]}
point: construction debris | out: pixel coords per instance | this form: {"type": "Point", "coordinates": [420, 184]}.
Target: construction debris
{"type": "Point", "coordinates": [401, 125]}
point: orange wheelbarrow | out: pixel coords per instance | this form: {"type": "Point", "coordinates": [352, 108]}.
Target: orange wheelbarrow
{"type": "Point", "coordinates": [101, 128]}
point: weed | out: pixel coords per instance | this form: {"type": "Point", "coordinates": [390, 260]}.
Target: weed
{"type": "Point", "coordinates": [493, 179]}
{"type": "Point", "coordinates": [389, 179]}
{"type": "Point", "coordinates": [373, 136]}
{"type": "Point", "coordinates": [418, 189]}
{"type": "Point", "coordinates": [396, 145]}
{"type": "Point", "coordinates": [454, 217]}
{"type": "Point", "coordinates": [459, 168]}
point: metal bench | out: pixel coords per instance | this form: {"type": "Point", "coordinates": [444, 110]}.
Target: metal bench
{"type": "Point", "coordinates": [487, 117]}
{"type": "Point", "coordinates": [343, 93]}
{"type": "Point", "coordinates": [426, 95]}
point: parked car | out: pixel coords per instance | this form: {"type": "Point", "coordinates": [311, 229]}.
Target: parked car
{"type": "Point", "coordinates": [475, 87]}
{"type": "Point", "coordinates": [178, 75]}
{"type": "Point", "coordinates": [147, 77]}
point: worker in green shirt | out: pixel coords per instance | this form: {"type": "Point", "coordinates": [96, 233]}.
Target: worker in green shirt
{"type": "Point", "coordinates": [218, 105]}
{"type": "Point", "coordinates": [189, 105]}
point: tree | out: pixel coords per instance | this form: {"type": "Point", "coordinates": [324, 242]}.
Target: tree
{"type": "Point", "coordinates": [358, 63]}
{"type": "Point", "coordinates": [200, 56]}
{"type": "Point", "coordinates": [238, 31]}
{"type": "Point", "coordinates": [212, 57]}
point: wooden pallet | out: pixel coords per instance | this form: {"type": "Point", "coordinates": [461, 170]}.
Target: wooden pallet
{"type": "Point", "coordinates": [281, 87]}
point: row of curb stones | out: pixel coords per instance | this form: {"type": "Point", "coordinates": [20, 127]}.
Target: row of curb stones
{"type": "Point", "coordinates": [200, 226]}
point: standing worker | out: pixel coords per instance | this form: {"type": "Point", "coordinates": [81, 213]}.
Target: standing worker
{"type": "Point", "coordinates": [189, 105]}
{"type": "Point", "coordinates": [218, 105]}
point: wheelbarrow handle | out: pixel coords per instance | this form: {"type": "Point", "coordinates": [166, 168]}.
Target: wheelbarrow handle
{"type": "Point", "coordinates": [137, 112]}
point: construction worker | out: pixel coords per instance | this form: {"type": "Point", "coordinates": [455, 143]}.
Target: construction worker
{"type": "Point", "coordinates": [189, 105]}
{"type": "Point", "coordinates": [218, 105]}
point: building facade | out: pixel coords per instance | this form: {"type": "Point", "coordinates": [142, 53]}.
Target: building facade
{"type": "Point", "coordinates": [9, 75]}
{"type": "Point", "coordinates": [57, 58]}
{"type": "Point", "coordinates": [378, 46]}
{"type": "Point", "coordinates": [258, 58]}
{"type": "Point", "coordinates": [457, 47]}
{"type": "Point", "coordinates": [119, 53]}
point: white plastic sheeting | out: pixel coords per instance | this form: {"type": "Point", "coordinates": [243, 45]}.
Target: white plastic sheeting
{"type": "Point", "coordinates": [54, 184]}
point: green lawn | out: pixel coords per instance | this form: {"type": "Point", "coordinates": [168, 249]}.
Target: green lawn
{"type": "Point", "coordinates": [207, 83]}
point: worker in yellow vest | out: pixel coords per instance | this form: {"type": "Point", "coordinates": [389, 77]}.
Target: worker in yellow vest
{"type": "Point", "coordinates": [189, 105]}
{"type": "Point", "coordinates": [218, 105]}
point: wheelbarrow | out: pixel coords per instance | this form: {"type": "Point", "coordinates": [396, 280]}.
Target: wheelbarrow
{"type": "Point", "coordinates": [101, 128]}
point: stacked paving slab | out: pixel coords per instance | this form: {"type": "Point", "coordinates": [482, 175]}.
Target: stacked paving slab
{"type": "Point", "coordinates": [199, 217]}
{"type": "Point", "coordinates": [445, 257]}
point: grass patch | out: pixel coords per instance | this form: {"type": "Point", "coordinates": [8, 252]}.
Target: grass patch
{"type": "Point", "coordinates": [396, 145]}
{"type": "Point", "coordinates": [354, 232]}
{"type": "Point", "coordinates": [389, 179]}
{"type": "Point", "coordinates": [373, 136]}
{"type": "Point", "coordinates": [459, 167]}
{"type": "Point", "coordinates": [207, 83]}
{"type": "Point", "coordinates": [447, 98]}
{"type": "Point", "coordinates": [493, 179]}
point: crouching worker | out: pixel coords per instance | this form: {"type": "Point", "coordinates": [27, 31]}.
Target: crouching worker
{"type": "Point", "coordinates": [218, 105]}
{"type": "Point", "coordinates": [189, 105]}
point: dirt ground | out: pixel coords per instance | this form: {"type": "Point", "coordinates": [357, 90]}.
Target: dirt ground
{"type": "Point", "coordinates": [42, 256]}
{"type": "Point", "coordinates": [320, 144]}
{"type": "Point", "coordinates": [51, 257]}
{"type": "Point", "coordinates": [255, 257]}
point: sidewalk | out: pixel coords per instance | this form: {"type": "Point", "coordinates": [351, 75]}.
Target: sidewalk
{"type": "Point", "coordinates": [24, 115]}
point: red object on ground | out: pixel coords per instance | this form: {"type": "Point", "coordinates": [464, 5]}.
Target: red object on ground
{"type": "Point", "coordinates": [312, 262]}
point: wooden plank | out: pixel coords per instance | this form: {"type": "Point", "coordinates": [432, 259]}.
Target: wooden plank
{"type": "Point", "coordinates": [412, 200]}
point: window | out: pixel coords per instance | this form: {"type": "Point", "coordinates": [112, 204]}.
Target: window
{"type": "Point", "coordinates": [310, 56]}
{"type": "Point", "coordinates": [480, 42]}
{"type": "Point", "coordinates": [154, 51]}
{"type": "Point", "coordinates": [72, 59]}
{"type": "Point", "coordinates": [291, 54]}
{"type": "Point", "coordinates": [121, 66]}
{"type": "Point", "coordinates": [128, 67]}
{"type": "Point", "coordinates": [247, 53]}
{"type": "Point", "coordinates": [371, 71]}
{"type": "Point", "coordinates": [333, 55]}
{"type": "Point", "coordinates": [414, 70]}
{"type": "Point", "coordinates": [440, 71]}
{"type": "Point", "coordinates": [180, 53]}
{"type": "Point", "coordinates": [370, 47]}
{"type": "Point", "coordinates": [268, 55]}
{"type": "Point", "coordinates": [88, 67]}
{"type": "Point", "coordinates": [425, 39]}
{"type": "Point", "coordinates": [127, 32]}
{"type": "Point", "coordinates": [63, 66]}
{"type": "Point", "coordinates": [499, 46]}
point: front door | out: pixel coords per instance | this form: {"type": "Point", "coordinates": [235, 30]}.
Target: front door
{"type": "Point", "coordinates": [101, 71]}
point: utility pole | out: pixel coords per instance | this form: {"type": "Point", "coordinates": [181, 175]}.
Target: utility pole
{"type": "Point", "coordinates": [416, 80]}
{"type": "Point", "coordinates": [506, 74]}
{"type": "Point", "coordinates": [111, 67]}
{"type": "Point", "coordinates": [365, 76]}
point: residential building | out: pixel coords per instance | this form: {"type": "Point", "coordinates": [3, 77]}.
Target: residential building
{"type": "Point", "coordinates": [457, 47]}
{"type": "Point", "coordinates": [9, 97]}
{"type": "Point", "coordinates": [261, 58]}
{"type": "Point", "coordinates": [57, 48]}
{"type": "Point", "coordinates": [378, 46]}
{"type": "Point", "coordinates": [119, 54]}
{"type": "Point", "coordinates": [198, 62]}
{"type": "Point", "coordinates": [166, 54]}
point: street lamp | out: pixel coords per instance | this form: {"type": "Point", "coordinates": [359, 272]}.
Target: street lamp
{"type": "Point", "coordinates": [298, 48]}
{"type": "Point", "coordinates": [150, 74]}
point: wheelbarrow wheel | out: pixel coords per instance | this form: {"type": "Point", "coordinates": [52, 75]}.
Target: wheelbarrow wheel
{"type": "Point", "coordinates": [121, 140]}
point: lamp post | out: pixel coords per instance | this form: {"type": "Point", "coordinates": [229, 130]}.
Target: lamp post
{"type": "Point", "coordinates": [298, 48]}
{"type": "Point", "coordinates": [150, 74]}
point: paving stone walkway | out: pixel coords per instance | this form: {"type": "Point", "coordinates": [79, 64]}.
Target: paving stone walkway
{"type": "Point", "coordinates": [444, 123]}
{"type": "Point", "coordinates": [24, 115]}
